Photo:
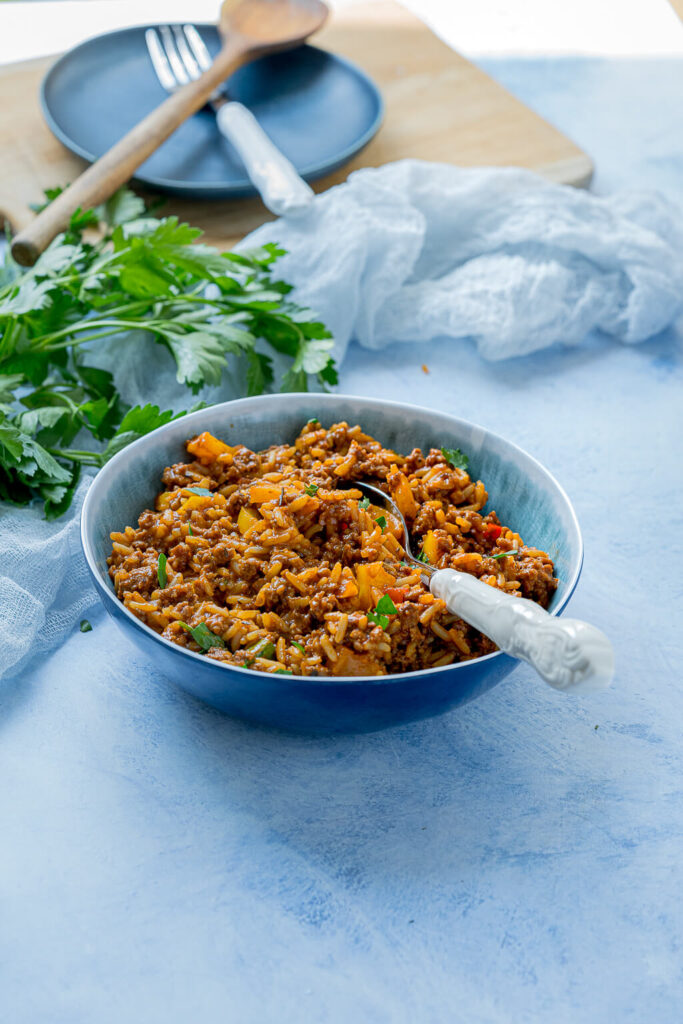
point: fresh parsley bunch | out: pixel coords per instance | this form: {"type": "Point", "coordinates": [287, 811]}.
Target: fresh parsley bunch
{"type": "Point", "coordinates": [144, 274]}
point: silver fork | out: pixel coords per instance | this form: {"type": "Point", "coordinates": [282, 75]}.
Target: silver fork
{"type": "Point", "coordinates": [179, 54]}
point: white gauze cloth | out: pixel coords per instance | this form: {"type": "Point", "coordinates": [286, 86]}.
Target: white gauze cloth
{"type": "Point", "coordinates": [415, 251]}
{"type": "Point", "coordinates": [407, 252]}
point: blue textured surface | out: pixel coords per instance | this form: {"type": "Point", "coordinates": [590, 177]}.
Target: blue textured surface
{"type": "Point", "coordinates": [525, 496]}
{"type": "Point", "coordinates": [318, 109]}
{"type": "Point", "coordinates": [507, 862]}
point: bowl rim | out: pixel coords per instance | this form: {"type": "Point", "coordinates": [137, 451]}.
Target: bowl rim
{"type": "Point", "coordinates": [108, 595]}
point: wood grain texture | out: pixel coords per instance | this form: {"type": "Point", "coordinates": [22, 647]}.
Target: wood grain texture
{"type": "Point", "coordinates": [439, 106]}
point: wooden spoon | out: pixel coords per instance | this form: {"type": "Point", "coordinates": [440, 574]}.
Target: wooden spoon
{"type": "Point", "coordinates": [249, 29]}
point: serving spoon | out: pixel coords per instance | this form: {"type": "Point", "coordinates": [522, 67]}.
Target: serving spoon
{"type": "Point", "coordinates": [568, 654]}
{"type": "Point", "coordinates": [248, 29]}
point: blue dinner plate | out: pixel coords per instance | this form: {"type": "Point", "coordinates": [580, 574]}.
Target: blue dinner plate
{"type": "Point", "coordinates": [319, 109]}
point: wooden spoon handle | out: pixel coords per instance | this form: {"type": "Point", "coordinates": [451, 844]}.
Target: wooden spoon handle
{"type": "Point", "coordinates": [101, 179]}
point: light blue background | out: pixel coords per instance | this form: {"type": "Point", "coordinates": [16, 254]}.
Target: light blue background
{"type": "Point", "coordinates": [508, 862]}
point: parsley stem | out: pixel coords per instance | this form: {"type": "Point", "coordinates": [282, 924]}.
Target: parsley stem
{"type": "Point", "coordinates": [118, 326]}
{"type": "Point", "coordinates": [86, 458]}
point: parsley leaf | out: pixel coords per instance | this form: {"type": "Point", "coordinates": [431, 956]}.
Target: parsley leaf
{"type": "Point", "coordinates": [385, 608]}
{"type": "Point", "coordinates": [365, 503]}
{"type": "Point", "coordinates": [199, 356]}
{"type": "Point", "coordinates": [213, 312]}
{"type": "Point", "coordinates": [386, 605]}
{"type": "Point", "coordinates": [311, 489]}
{"type": "Point", "coordinates": [504, 554]}
{"type": "Point", "coordinates": [300, 647]}
{"type": "Point", "coordinates": [328, 374]}
{"type": "Point", "coordinates": [123, 206]}
{"type": "Point", "coordinates": [203, 636]}
{"type": "Point", "coordinates": [381, 522]}
{"type": "Point", "coordinates": [85, 626]}
{"type": "Point", "coordinates": [204, 491]}
{"type": "Point", "coordinates": [267, 650]}
{"type": "Point", "coordinates": [137, 422]}
{"type": "Point", "coordinates": [455, 458]}
{"type": "Point", "coordinates": [161, 571]}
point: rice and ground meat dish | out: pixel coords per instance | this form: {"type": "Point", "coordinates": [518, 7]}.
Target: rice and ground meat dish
{"type": "Point", "coordinates": [267, 560]}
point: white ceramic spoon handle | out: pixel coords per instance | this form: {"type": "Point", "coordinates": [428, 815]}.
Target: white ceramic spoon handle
{"type": "Point", "coordinates": [569, 654]}
{"type": "Point", "coordinates": [282, 189]}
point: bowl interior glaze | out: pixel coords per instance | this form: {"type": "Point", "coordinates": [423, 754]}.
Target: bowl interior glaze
{"type": "Point", "coordinates": [523, 493]}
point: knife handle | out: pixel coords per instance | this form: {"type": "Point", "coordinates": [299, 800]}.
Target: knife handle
{"type": "Point", "coordinates": [279, 184]}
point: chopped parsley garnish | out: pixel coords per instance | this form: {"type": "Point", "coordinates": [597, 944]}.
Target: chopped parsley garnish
{"type": "Point", "coordinates": [203, 636]}
{"type": "Point", "coordinates": [266, 651]}
{"type": "Point", "coordinates": [299, 647]}
{"type": "Point", "coordinates": [85, 626]}
{"type": "Point", "coordinates": [161, 570]}
{"type": "Point", "coordinates": [455, 458]}
{"type": "Point", "coordinates": [504, 554]}
{"type": "Point", "coordinates": [198, 490]}
{"type": "Point", "coordinates": [248, 663]}
{"type": "Point", "coordinates": [283, 672]}
{"type": "Point", "coordinates": [189, 531]}
{"type": "Point", "coordinates": [423, 558]}
{"type": "Point", "coordinates": [313, 419]}
{"type": "Point", "coordinates": [385, 608]}
{"type": "Point", "coordinates": [311, 489]}
{"type": "Point", "coordinates": [365, 503]}
{"type": "Point", "coordinates": [386, 605]}
{"type": "Point", "coordinates": [381, 522]}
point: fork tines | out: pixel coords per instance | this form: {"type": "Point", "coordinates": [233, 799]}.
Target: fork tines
{"type": "Point", "coordinates": [178, 54]}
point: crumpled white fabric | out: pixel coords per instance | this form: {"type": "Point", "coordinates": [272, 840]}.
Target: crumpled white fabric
{"type": "Point", "coordinates": [414, 251]}
{"type": "Point", "coordinates": [407, 252]}
{"type": "Point", "coordinates": [45, 585]}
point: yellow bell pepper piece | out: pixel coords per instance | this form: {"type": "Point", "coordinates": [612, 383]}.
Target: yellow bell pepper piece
{"type": "Point", "coordinates": [246, 519]}
{"type": "Point", "coordinates": [196, 501]}
{"type": "Point", "coordinates": [164, 500]}
{"type": "Point", "coordinates": [264, 492]}
{"type": "Point", "coordinates": [431, 547]}
{"type": "Point", "coordinates": [372, 575]}
{"type": "Point", "coordinates": [402, 494]}
{"type": "Point", "coordinates": [207, 448]}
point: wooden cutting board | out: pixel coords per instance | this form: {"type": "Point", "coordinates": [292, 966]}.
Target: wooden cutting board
{"type": "Point", "coordinates": [439, 106]}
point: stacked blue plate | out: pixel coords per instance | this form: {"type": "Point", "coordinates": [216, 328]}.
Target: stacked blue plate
{"type": "Point", "coordinates": [318, 109]}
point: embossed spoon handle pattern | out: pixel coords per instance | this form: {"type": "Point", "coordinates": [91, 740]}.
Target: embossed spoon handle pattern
{"type": "Point", "coordinates": [568, 654]}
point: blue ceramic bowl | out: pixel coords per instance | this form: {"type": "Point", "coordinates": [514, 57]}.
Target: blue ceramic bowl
{"type": "Point", "coordinates": [523, 493]}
